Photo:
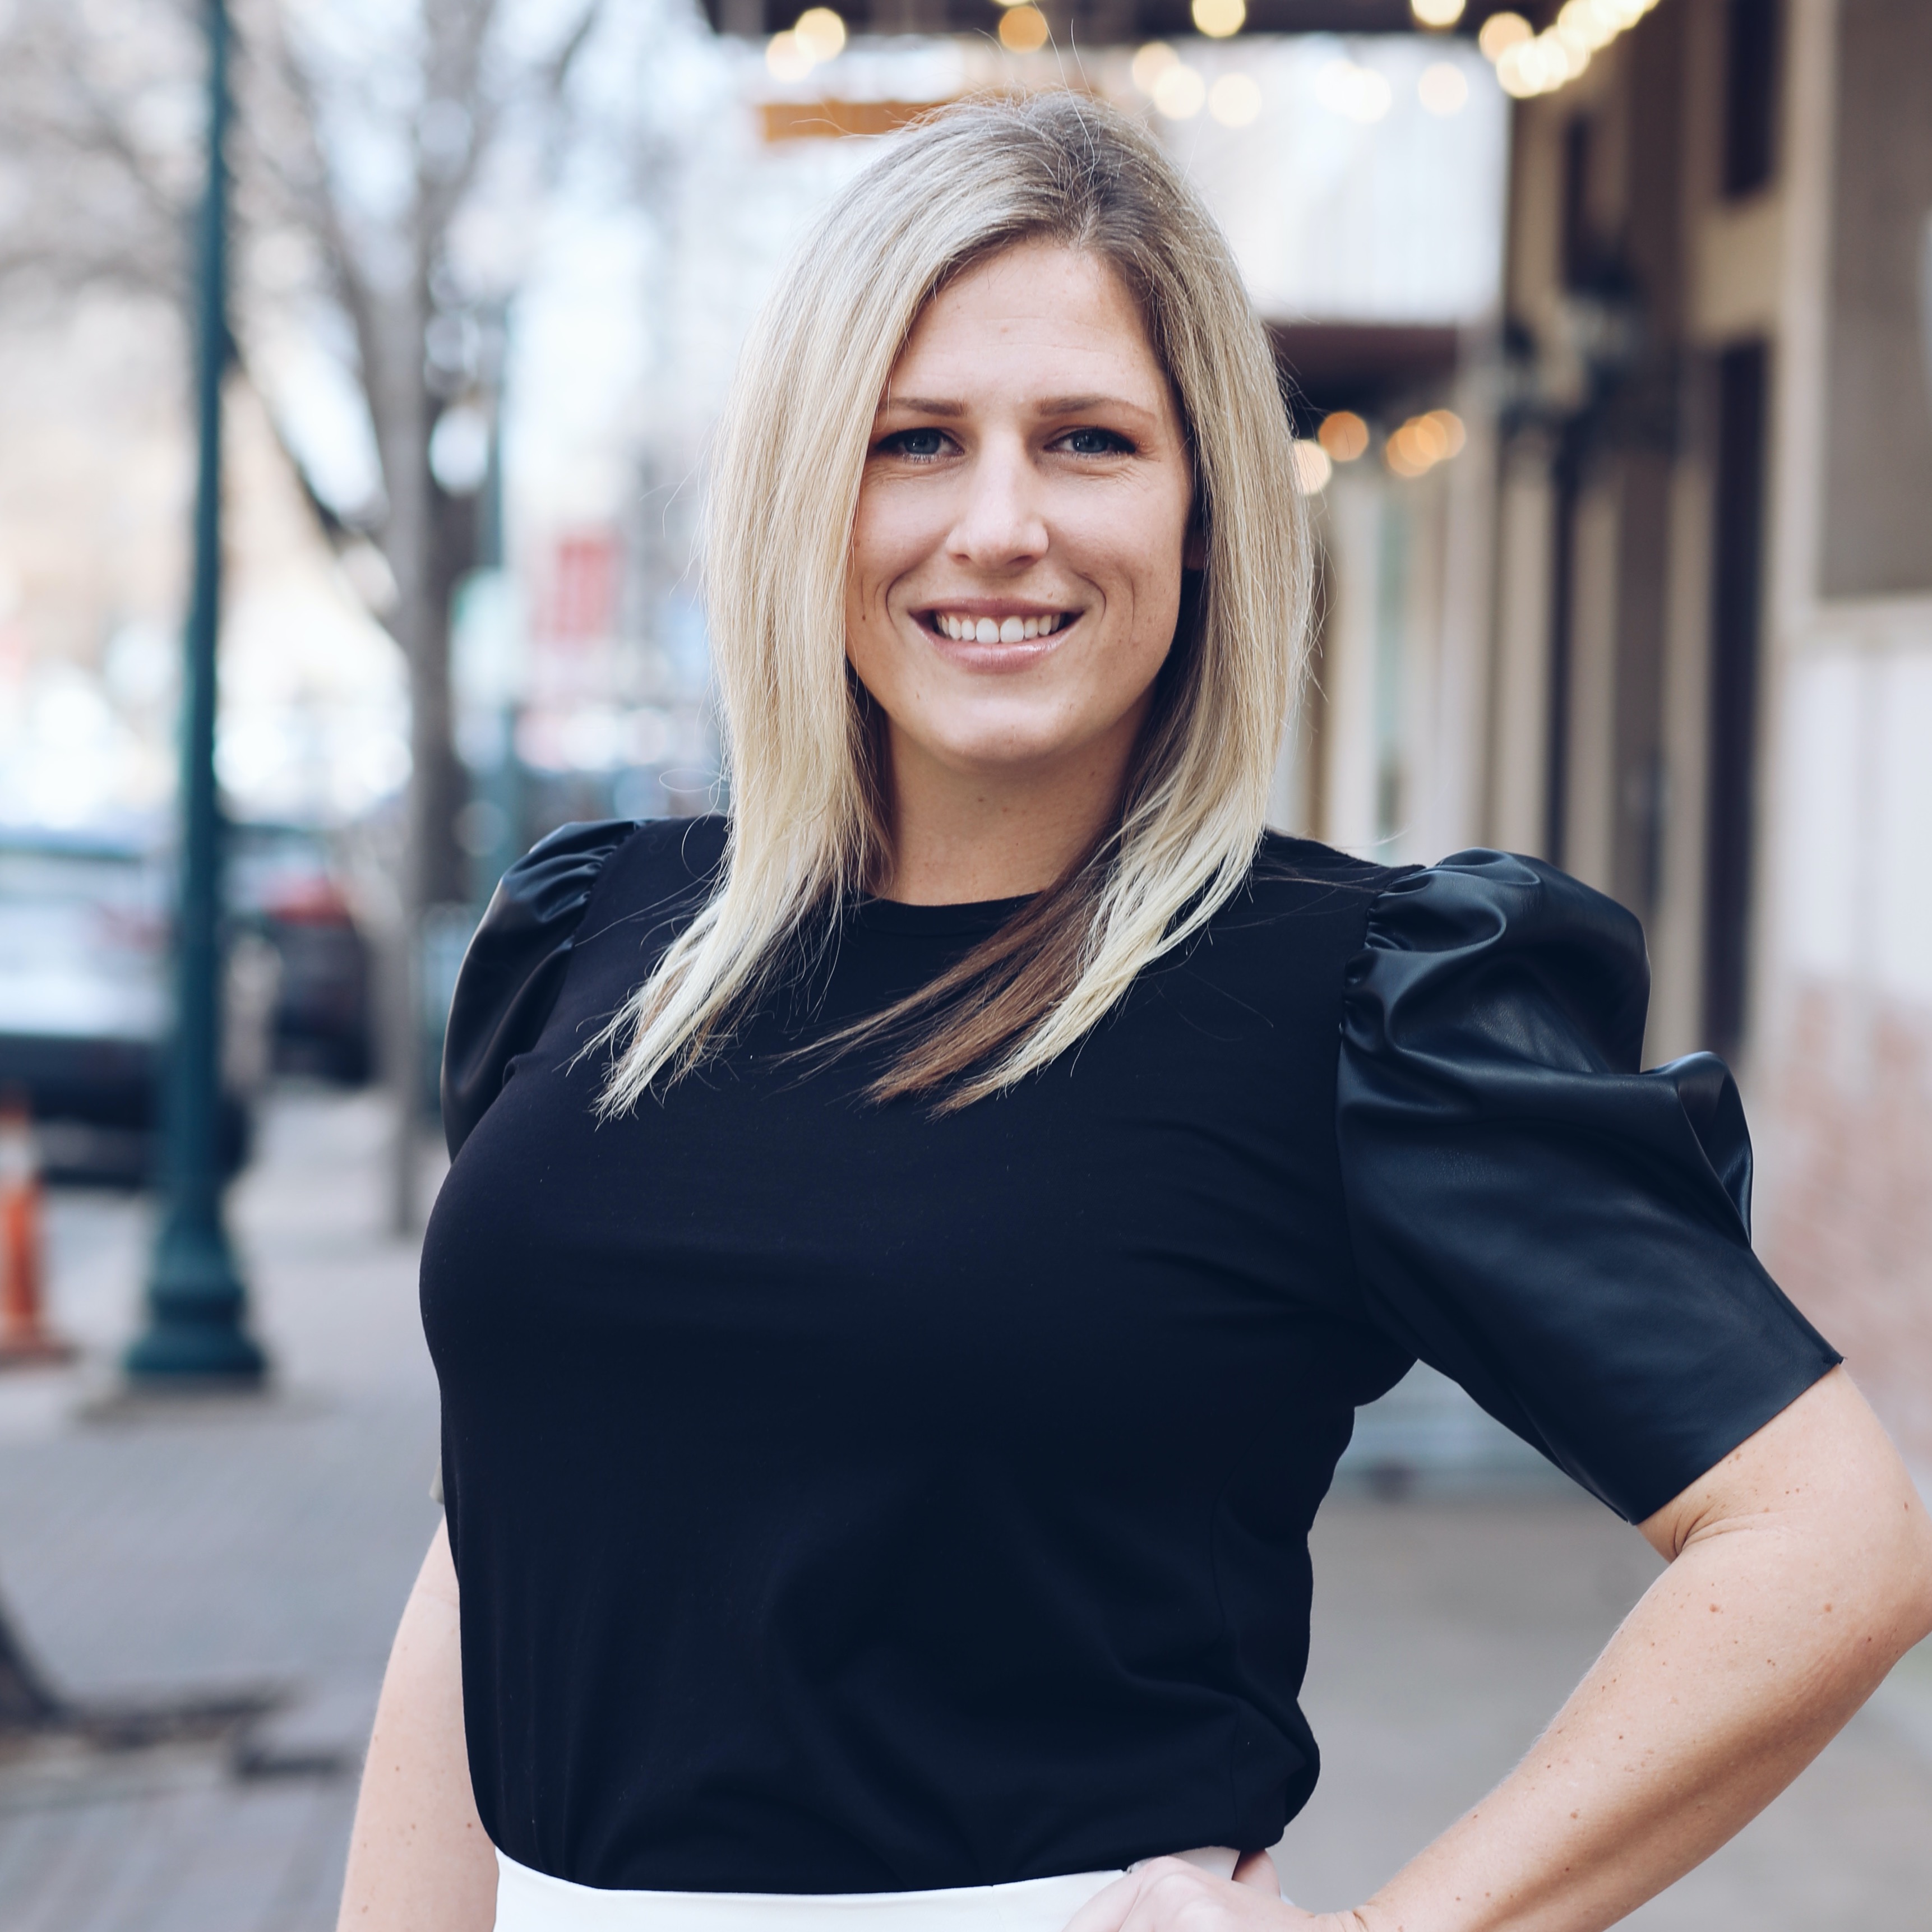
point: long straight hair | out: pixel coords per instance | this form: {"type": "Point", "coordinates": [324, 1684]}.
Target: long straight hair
{"type": "Point", "coordinates": [809, 823]}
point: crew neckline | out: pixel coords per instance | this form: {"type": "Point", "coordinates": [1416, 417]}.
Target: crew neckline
{"type": "Point", "coordinates": [879, 915]}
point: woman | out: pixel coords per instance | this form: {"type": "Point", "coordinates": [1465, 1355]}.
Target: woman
{"type": "Point", "coordinates": [915, 1247]}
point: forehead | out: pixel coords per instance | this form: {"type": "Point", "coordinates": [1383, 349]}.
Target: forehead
{"type": "Point", "coordinates": [1038, 315]}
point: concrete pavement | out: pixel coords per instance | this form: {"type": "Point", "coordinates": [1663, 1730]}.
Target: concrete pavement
{"type": "Point", "coordinates": [155, 1550]}
{"type": "Point", "coordinates": [149, 1550]}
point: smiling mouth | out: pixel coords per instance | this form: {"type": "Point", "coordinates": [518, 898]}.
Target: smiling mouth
{"type": "Point", "coordinates": [968, 628]}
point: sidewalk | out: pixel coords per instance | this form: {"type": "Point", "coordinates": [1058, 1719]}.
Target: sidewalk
{"type": "Point", "coordinates": [250, 1543]}
{"type": "Point", "coordinates": [150, 1550]}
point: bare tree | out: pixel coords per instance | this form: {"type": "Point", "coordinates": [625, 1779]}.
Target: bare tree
{"type": "Point", "coordinates": [370, 134]}
{"type": "Point", "coordinates": [369, 139]}
{"type": "Point", "coordinates": [100, 117]}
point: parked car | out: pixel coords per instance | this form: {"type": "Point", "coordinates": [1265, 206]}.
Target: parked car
{"type": "Point", "coordinates": [84, 1006]}
{"type": "Point", "coordinates": [283, 884]}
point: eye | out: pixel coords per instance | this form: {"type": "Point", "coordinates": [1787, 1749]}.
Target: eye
{"type": "Point", "coordinates": [1094, 442]}
{"type": "Point", "coordinates": [920, 446]}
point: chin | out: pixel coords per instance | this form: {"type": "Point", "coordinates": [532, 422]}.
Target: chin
{"type": "Point", "coordinates": [1005, 748]}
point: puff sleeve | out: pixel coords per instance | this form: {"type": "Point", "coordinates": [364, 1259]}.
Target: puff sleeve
{"type": "Point", "coordinates": [514, 967]}
{"type": "Point", "coordinates": [1566, 1237]}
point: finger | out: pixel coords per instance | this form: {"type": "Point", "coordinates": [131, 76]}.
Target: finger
{"type": "Point", "coordinates": [1257, 1869]}
{"type": "Point", "coordinates": [1107, 1910]}
{"type": "Point", "coordinates": [1168, 1887]}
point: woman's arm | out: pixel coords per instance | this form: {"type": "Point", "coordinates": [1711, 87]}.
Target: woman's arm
{"type": "Point", "coordinates": [419, 1860]}
{"type": "Point", "coordinates": [1801, 1570]}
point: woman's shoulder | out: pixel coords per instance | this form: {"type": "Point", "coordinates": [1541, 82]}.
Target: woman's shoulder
{"type": "Point", "coordinates": [649, 866]}
{"type": "Point", "coordinates": [582, 879]}
{"type": "Point", "coordinates": [1455, 942]}
{"type": "Point", "coordinates": [1476, 905]}
{"type": "Point", "coordinates": [1479, 940]}
{"type": "Point", "coordinates": [1302, 899]}
{"type": "Point", "coordinates": [1299, 870]}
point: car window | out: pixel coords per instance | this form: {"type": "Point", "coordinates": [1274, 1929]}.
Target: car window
{"type": "Point", "coordinates": [83, 944]}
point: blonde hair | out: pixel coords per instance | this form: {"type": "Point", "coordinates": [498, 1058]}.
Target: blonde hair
{"type": "Point", "coordinates": [808, 824]}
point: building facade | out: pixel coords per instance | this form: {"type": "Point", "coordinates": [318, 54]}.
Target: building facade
{"type": "Point", "coordinates": [1709, 681]}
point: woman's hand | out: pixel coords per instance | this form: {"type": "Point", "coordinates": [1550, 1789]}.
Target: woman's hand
{"type": "Point", "coordinates": [1171, 1895]}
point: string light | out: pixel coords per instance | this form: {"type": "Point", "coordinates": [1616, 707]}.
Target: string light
{"type": "Point", "coordinates": [1234, 100]}
{"type": "Point", "coordinates": [1218, 19]}
{"type": "Point", "coordinates": [1424, 441]}
{"type": "Point", "coordinates": [818, 36]}
{"type": "Point", "coordinates": [1149, 63]}
{"type": "Point", "coordinates": [1179, 93]}
{"type": "Point", "coordinates": [1502, 31]}
{"type": "Point", "coordinates": [1343, 434]}
{"type": "Point", "coordinates": [821, 32]}
{"type": "Point", "coordinates": [1527, 63]}
{"type": "Point", "coordinates": [1023, 30]}
{"type": "Point", "coordinates": [786, 57]}
{"type": "Point", "coordinates": [1312, 468]}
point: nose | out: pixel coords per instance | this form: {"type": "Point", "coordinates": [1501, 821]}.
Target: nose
{"type": "Point", "coordinates": [1001, 523]}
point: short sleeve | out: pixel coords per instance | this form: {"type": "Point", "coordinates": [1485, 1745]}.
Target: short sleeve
{"type": "Point", "coordinates": [1566, 1236]}
{"type": "Point", "coordinates": [515, 965]}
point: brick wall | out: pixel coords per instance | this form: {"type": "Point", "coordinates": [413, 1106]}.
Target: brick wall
{"type": "Point", "coordinates": [1844, 1199]}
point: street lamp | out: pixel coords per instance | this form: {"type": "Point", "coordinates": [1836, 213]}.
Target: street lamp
{"type": "Point", "coordinates": [196, 1301]}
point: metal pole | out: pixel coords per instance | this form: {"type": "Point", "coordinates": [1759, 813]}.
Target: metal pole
{"type": "Point", "coordinates": [195, 1300]}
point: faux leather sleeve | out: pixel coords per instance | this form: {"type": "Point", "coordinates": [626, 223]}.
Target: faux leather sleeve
{"type": "Point", "coordinates": [514, 967]}
{"type": "Point", "coordinates": [1566, 1236]}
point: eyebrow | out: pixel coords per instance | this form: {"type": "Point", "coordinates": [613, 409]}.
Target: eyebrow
{"type": "Point", "coordinates": [1049, 405]}
{"type": "Point", "coordinates": [923, 406]}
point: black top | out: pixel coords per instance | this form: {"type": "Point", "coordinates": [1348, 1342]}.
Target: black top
{"type": "Point", "coordinates": [846, 1499]}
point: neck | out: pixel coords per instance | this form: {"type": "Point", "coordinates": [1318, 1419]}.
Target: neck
{"type": "Point", "coordinates": [960, 835]}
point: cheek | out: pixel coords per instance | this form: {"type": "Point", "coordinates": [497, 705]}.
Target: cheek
{"type": "Point", "coordinates": [1145, 546]}
{"type": "Point", "coordinates": [889, 537]}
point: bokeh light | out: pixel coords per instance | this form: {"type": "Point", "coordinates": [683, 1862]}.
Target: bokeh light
{"type": "Point", "coordinates": [1502, 31]}
{"type": "Point", "coordinates": [1218, 19]}
{"type": "Point", "coordinates": [1179, 93]}
{"type": "Point", "coordinates": [788, 57]}
{"type": "Point", "coordinates": [1436, 13]}
{"type": "Point", "coordinates": [1023, 30]}
{"type": "Point", "coordinates": [1152, 61]}
{"type": "Point", "coordinates": [1443, 88]}
{"type": "Point", "coordinates": [821, 33]}
{"type": "Point", "coordinates": [1312, 467]}
{"type": "Point", "coordinates": [1343, 435]}
{"type": "Point", "coordinates": [1529, 63]}
{"type": "Point", "coordinates": [1234, 100]}
{"type": "Point", "coordinates": [1424, 441]}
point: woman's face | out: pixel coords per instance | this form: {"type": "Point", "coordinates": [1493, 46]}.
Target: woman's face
{"type": "Point", "coordinates": [1023, 521]}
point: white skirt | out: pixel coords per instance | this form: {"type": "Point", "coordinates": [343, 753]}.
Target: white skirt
{"type": "Point", "coordinates": [532, 1901]}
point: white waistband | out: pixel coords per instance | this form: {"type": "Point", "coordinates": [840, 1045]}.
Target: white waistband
{"type": "Point", "coordinates": [533, 1901]}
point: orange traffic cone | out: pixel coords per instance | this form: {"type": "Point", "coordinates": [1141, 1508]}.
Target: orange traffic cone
{"type": "Point", "coordinates": [24, 1336]}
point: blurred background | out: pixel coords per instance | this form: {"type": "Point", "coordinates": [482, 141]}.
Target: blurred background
{"type": "Point", "coordinates": [340, 563]}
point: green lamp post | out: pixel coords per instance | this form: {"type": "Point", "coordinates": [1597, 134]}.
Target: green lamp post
{"type": "Point", "coordinates": [197, 1303]}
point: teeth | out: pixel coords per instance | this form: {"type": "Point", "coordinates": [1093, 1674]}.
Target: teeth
{"type": "Point", "coordinates": [995, 631]}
